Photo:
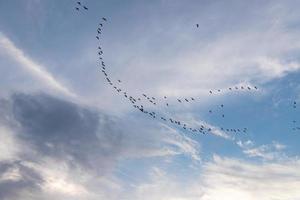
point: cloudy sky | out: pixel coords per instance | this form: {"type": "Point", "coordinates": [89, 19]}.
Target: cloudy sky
{"type": "Point", "coordinates": [67, 134]}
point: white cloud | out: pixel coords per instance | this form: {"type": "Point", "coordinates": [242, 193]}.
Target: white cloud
{"type": "Point", "coordinates": [271, 151]}
{"type": "Point", "coordinates": [228, 178]}
{"type": "Point", "coordinates": [235, 179]}
{"type": "Point", "coordinates": [7, 47]}
{"type": "Point", "coordinates": [252, 51]}
{"type": "Point", "coordinates": [10, 146]}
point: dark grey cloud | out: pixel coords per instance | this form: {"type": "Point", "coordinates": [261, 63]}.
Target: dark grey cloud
{"type": "Point", "coordinates": [60, 128]}
{"type": "Point", "coordinates": [79, 136]}
{"type": "Point", "coordinates": [12, 185]}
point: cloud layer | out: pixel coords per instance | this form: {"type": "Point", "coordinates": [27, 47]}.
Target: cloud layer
{"type": "Point", "coordinates": [48, 141]}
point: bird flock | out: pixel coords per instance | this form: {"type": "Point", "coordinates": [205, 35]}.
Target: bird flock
{"type": "Point", "coordinates": [80, 6]}
{"type": "Point", "coordinates": [139, 102]}
{"type": "Point", "coordinates": [295, 127]}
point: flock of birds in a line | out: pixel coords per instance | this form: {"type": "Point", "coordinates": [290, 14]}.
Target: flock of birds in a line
{"type": "Point", "coordinates": [136, 101]}
{"type": "Point", "coordinates": [295, 127]}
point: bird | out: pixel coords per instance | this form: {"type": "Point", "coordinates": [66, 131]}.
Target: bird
{"type": "Point", "coordinates": [179, 100]}
{"type": "Point", "coordinates": [210, 91]}
{"type": "Point", "coordinates": [119, 81]}
{"type": "Point", "coordinates": [192, 98]}
{"type": "Point", "coordinates": [85, 8]}
{"type": "Point", "coordinates": [222, 105]}
{"type": "Point", "coordinates": [78, 2]}
{"type": "Point", "coordinates": [104, 19]}
{"type": "Point", "coordinates": [77, 8]}
{"type": "Point", "coordinates": [210, 111]}
{"type": "Point", "coordinates": [165, 97]}
{"type": "Point", "coordinates": [97, 37]}
{"type": "Point", "coordinates": [197, 25]}
{"type": "Point", "coordinates": [223, 115]}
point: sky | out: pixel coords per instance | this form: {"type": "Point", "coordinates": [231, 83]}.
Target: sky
{"type": "Point", "coordinates": [65, 133]}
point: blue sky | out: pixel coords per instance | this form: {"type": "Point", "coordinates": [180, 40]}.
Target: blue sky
{"type": "Point", "coordinates": [67, 134]}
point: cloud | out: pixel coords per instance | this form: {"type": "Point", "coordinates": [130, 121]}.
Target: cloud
{"type": "Point", "coordinates": [269, 152]}
{"type": "Point", "coordinates": [38, 71]}
{"type": "Point", "coordinates": [226, 50]}
{"type": "Point", "coordinates": [67, 145]}
{"type": "Point", "coordinates": [227, 178]}
{"type": "Point", "coordinates": [234, 179]}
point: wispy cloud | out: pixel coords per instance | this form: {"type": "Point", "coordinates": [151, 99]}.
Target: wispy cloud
{"type": "Point", "coordinates": [228, 178]}
{"type": "Point", "coordinates": [8, 47]}
{"type": "Point", "coordinates": [268, 152]}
